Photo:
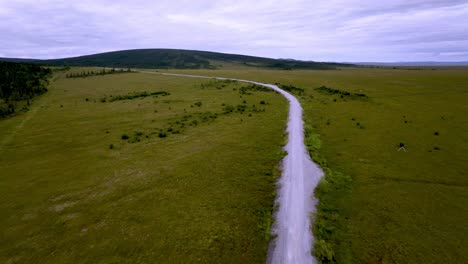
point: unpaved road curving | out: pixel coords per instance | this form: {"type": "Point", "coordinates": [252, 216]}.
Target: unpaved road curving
{"type": "Point", "coordinates": [300, 176]}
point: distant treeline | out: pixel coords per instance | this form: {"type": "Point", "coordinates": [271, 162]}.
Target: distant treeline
{"type": "Point", "coordinates": [85, 74]}
{"type": "Point", "coordinates": [134, 96]}
{"type": "Point", "coordinates": [19, 83]}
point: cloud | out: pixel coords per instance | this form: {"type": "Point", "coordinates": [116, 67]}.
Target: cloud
{"type": "Point", "coordinates": [325, 30]}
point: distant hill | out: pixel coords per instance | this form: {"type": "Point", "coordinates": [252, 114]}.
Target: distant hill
{"type": "Point", "coordinates": [416, 63]}
{"type": "Point", "coordinates": [18, 60]}
{"type": "Point", "coordinates": [178, 59]}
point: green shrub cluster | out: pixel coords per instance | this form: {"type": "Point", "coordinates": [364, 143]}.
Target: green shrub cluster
{"type": "Point", "coordinates": [241, 108]}
{"type": "Point", "coordinates": [342, 93]}
{"type": "Point", "coordinates": [217, 84]}
{"type": "Point", "coordinates": [291, 88]}
{"type": "Point", "coordinates": [255, 88]}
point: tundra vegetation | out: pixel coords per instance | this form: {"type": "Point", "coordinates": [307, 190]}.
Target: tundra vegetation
{"type": "Point", "coordinates": [143, 178]}
{"type": "Point", "coordinates": [378, 204]}
{"type": "Point", "coordinates": [189, 176]}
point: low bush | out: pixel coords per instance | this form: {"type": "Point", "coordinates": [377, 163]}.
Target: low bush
{"type": "Point", "coordinates": [228, 109]}
{"type": "Point", "coordinates": [324, 252]}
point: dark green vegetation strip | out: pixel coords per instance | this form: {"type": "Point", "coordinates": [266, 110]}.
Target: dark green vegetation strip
{"type": "Point", "coordinates": [132, 96]}
{"type": "Point", "coordinates": [342, 93]}
{"type": "Point", "coordinates": [90, 73]}
{"type": "Point", "coordinates": [291, 88]}
{"type": "Point", "coordinates": [19, 84]}
{"type": "Point", "coordinates": [378, 204]}
{"type": "Point", "coordinates": [73, 191]}
{"type": "Point", "coordinates": [328, 226]}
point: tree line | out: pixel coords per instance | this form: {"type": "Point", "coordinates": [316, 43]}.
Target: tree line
{"type": "Point", "coordinates": [19, 83]}
{"type": "Point", "coordinates": [85, 74]}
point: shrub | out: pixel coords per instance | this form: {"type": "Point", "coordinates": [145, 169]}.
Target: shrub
{"type": "Point", "coordinates": [312, 141]}
{"type": "Point", "coordinates": [228, 109]}
{"type": "Point", "coordinates": [262, 102]}
{"type": "Point", "coordinates": [124, 137]}
{"type": "Point", "coordinates": [241, 108]}
{"type": "Point", "coordinates": [436, 133]}
{"type": "Point", "coordinates": [324, 252]}
{"type": "Point", "coordinates": [111, 146]}
{"type": "Point", "coordinates": [199, 104]}
{"type": "Point", "coordinates": [162, 134]}
{"type": "Point", "coordinates": [134, 139]}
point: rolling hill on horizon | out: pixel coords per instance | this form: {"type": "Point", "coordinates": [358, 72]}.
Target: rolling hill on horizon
{"type": "Point", "coordinates": [179, 59]}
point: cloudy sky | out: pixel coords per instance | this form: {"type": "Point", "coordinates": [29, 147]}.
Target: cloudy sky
{"type": "Point", "coordinates": [321, 30]}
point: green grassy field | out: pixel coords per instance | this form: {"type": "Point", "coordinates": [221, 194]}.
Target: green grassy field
{"type": "Point", "coordinates": [95, 172]}
{"type": "Point", "coordinates": [204, 193]}
{"type": "Point", "coordinates": [399, 207]}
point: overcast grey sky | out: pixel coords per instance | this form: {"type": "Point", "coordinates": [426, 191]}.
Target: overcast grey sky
{"type": "Point", "coordinates": [321, 30]}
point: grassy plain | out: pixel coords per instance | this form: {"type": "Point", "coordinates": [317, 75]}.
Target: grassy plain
{"type": "Point", "coordinates": [187, 177]}
{"type": "Point", "coordinates": [400, 206]}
